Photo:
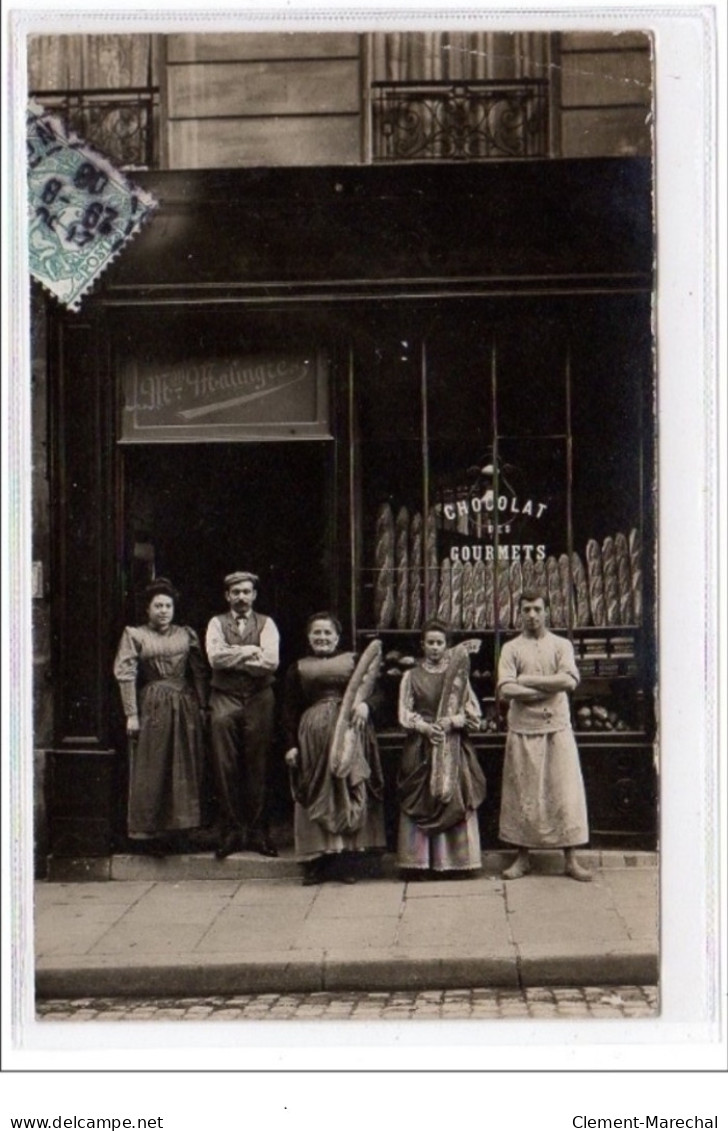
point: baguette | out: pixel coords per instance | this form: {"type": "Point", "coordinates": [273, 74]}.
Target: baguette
{"type": "Point", "coordinates": [415, 564]}
{"type": "Point", "coordinates": [503, 594]}
{"type": "Point", "coordinates": [384, 605]}
{"type": "Point", "coordinates": [431, 596]}
{"type": "Point", "coordinates": [516, 581]}
{"type": "Point", "coordinates": [489, 575]}
{"type": "Point", "coordinates": [624, 580]}
{"type": "Point", "coordinates": [635, 563]}
{"type": "Point", "coordinates": [539, 575]}
{"type": "Point", "coordinates": [468, 590]}
{"type": "Point", "coordinates": [456, 595]}
{"type": "Point", "coordinates": [480, 619]}
{"type": "Point", "coordinates": [553, 584]}
{"type": "Point", "coordinates": [444, 607]}
{"type": "Point", "coordinates": [611, 583]}
{"type": "Point", "coordinates": [596, 583]}
{"type": "Point", "coordinates": [445, 769]}
{"type": "Point", "coordinates": [582, 593]}
{"type": "Point", "coordinates": [568, 599]}
{"type": "Point", "coordinates": [402, 565]}
{"type": "Point", "coordinates": [346, 756]}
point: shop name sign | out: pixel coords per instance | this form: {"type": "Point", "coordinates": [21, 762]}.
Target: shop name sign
{"type": "Point", "coordinates": [193, 391]}
{"type": "Point", "coordinates": [486, 552]}
{"type": "Point", "coordinates": [486, 513]}
{"type": "Point", "coordinates": [507, 505]}
{"type": "Point", "coordinates": [267, 395]}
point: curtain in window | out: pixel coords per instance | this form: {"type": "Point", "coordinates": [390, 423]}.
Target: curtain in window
{"type": "Point", "coordinates": [88, 62]}
{"type": "Point", "coordinates": [103, 87]}
{"type": "Point", "coordinates": [458, 56]}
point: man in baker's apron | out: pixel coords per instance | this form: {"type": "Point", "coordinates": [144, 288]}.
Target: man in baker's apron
{"type": "Point", "coordinates": [543, 804]}
{"type": "Point", "coordinates": [242, 647]}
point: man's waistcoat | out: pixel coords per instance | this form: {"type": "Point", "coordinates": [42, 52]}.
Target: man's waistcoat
{"type": "Point", "coordinates": [229, 680]}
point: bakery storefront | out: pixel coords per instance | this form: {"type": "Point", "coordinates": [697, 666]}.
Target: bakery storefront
{"type": "Point", "coordinates": [391, 393]}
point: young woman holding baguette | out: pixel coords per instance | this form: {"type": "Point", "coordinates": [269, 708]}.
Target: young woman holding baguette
{"type": "Point", "coordinates": [332, 754]}
{"type": "Point", "coordinates": [440, 783]}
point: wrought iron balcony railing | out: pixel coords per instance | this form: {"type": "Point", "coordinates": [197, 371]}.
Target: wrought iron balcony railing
{"type": "Point", "coordinates": [459, 121]}
{"type": "Point", "coordinates": [123, 124]}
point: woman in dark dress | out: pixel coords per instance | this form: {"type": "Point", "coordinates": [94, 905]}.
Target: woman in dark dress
{"type": "Point", "coordinates": [162, 679]}
{"type": "Point", "coordinates": [440, 783]}
{"type": "Point", "coordinates": [335, 816]}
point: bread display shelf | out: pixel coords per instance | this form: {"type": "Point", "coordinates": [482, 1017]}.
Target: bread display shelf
{"type": "Point", "coordinates": [604, 740]}
{"type": "Point", "coordinates": [485, 633]}
{"type": "Point", "coordinates": [509, 633]}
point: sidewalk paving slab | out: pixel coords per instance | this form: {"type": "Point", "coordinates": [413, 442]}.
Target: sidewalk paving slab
{"type": "Point", "coordinates": [632, 963]}
{"type": "Point", "coordinates": [192, 937]}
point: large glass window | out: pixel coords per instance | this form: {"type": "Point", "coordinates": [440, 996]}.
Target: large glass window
{"type": "Point", "coordinates": [495, 454]}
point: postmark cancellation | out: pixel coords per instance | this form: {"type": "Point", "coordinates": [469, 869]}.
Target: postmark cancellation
{"type": "Point", "coordinates": [81, 210]}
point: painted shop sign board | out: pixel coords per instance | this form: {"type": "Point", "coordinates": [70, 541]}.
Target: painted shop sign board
{"type": "Point", "coordinates": [265, 396]}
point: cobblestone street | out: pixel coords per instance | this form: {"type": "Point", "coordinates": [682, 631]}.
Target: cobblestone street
{"type": "Point", "coordinates": [603, 1003]}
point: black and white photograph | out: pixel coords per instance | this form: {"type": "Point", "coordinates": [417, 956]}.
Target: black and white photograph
{"type": "Point", "coordinates": [344, 506]}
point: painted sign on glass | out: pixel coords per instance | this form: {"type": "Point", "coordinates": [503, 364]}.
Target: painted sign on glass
{"type": "Point", "coordinates": [264, 396]}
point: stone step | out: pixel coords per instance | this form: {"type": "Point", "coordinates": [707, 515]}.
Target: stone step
{"type": "Point", "coordinates": [251, 866]}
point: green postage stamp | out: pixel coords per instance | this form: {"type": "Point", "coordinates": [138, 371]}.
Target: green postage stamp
{"type": "Point", "coordinates": [81, 210]}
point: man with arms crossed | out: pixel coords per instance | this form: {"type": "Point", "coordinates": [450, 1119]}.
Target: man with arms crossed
{"type": "Point", "coordinates": [543, 804]}
{"type": "Point", "coordinates": [242, 647]}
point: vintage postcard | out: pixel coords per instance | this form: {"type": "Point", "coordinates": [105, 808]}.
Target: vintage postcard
{"type": "Point", "coordinates": [347, 492]}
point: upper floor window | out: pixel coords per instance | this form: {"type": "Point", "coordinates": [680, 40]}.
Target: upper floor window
{"type": "Point", "coordinates": [105, 87]}
{"type": "Point", "coordinates": [459, 95]}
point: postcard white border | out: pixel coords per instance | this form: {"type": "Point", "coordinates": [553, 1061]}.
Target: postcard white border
{"type": "Point", "coordinates": [690, 1033]}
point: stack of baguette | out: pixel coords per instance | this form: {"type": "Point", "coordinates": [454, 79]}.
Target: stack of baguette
{"type": "Point", "coordinates": [615, 580]}
{"type": "Point", "coordinates": [400, 554]}
{"type": "Point", "coordinates": [606, 590]}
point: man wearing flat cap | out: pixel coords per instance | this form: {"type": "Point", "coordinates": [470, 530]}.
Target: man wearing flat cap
{"type": "Point", "coordinates": [242, 647]}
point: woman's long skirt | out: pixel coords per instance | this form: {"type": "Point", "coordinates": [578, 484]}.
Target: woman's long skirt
{"type": "Point", "coordinates": [315, 783]}
{"type": "Point", "coordinates": [434, 834]}
{"type": "Point", "coordinates": [165, 768]}
{"type": "Point", "coordinates": [456, 850]}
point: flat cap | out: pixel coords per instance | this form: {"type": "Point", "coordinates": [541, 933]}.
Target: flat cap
{"type": "Point", "coordinates": [240, 575]}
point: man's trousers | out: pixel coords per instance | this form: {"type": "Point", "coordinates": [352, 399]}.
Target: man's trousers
{"type": "Point", "coordinates": [241, 733]}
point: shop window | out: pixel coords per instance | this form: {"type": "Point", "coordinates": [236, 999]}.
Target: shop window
{"type": "Point", "coordinates": [493, 459]}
